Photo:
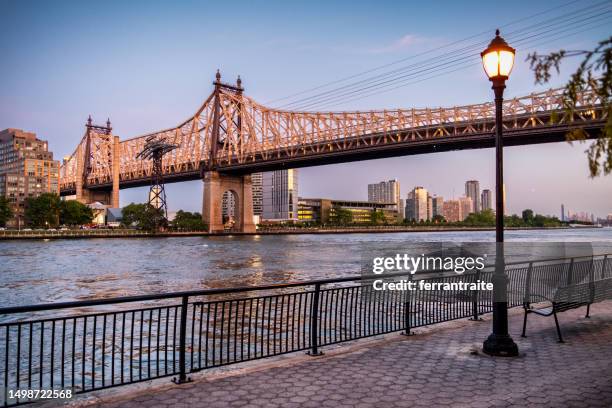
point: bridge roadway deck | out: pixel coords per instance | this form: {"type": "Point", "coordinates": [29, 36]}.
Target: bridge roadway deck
{"type": "Point", "coordinates": [438, 367]}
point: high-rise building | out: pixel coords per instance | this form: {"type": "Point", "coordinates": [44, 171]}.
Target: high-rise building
{"type": "Point", "coordinates": [409, 208]}
{"type": "Point", "coordinates": [402, 209]}
{"type": "Point", "coordinates": [416, 205]}
{"type": "Point", "coordinates": [228, 206]}
{"type": "Point", "coordinates": [27, 169]}
{"type": "Point", "coordinates": [385, 192]}
{"type": "Point", "coordinates": [467, 206]}
{"type": "Point", "coordinates": [457, 210]}
{"type": "Point", "coordinates": [429, 207]}
{"type": "Point", "coordinates": [437, 206]}
{"type": "Point", "coordinates": [486, 200]}
{"type": "Point", "coordinates": [280, 195]}
{"type": "Point", "coordinates": [562, 212]}
{"type": "Point", "coordinates": [451, 210]}
{"type": "Point", "coordinates": [257, 188]}
{"type": "Point", "coordinates": [472, 190]}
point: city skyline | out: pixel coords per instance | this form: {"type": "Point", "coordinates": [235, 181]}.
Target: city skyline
{"type": "Point", "coordinates": [76, 56]}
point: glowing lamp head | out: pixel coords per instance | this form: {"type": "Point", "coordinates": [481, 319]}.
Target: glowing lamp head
{"type": "Point", "coordinates": [498, 59]}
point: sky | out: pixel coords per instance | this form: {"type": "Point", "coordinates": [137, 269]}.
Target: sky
{"type": "Point", "coordinates": [148, 65]}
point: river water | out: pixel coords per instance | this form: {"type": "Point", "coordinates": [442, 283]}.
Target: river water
{"type": "Point", "coordinates": [61, 270]}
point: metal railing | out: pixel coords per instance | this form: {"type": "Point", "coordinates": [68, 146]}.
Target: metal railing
{"type": "Point", "coordinates": [109, 342]}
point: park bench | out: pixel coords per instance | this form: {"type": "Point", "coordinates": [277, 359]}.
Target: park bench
{"type": "Point", "coordinates": [573, 290]}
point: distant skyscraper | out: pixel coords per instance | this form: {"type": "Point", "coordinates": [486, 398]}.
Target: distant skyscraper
{"type": "Point", "coordinates": [409, 209]}
{"type": "Point", "coordinates": [429, 207]}
{"type": "Point", "coordinates": [228, 205]}
{"type": "Point", "coordinates": [385, 192]}
{"type": "Point", "coordinates": [486, 200]}
{"type": "Point", "coordinates": [280, 195]}
{"type": "Point", "coordinates": [451, 210]}
{"type": "Point", "coordinates": [437, 205]}
{"type": "Point", "coordinates": [416, 205]}
{"type": "Point", "coordinates": [257, 187]}
{"type": "Point", "coordinates": [562, 212]}
{"type": "Point", "coordinates": [402, 209]}
{"type": "Point", "coordinates": [467, 206]}
{"type": "Point", "coordinates": [472, 190]}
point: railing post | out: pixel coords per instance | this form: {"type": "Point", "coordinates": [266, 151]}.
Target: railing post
{"type": "Point", "coordinates": [603, 267]}
{"type": "Point", "coordinates": [407, 310]}
{"type": "Point", "coordinates": [314, 323]}
{"type": "Point", "coordinates": [475, 293]}
{"type": "Point", "coordinates": [182, 378]}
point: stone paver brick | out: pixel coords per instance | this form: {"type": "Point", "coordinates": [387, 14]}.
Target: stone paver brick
{"type": "Point", "coordinates": [436, 369]}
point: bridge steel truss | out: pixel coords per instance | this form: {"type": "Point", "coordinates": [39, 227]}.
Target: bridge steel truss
{"type": "Point", "coordinates": [232, 133]}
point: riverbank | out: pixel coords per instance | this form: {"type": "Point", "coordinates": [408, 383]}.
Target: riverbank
{"type": "Point", "coordinates": [126, 233]}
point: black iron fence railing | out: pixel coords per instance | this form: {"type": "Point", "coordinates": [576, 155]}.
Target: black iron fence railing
{"type": "Point", "coordinates": [109, 342]}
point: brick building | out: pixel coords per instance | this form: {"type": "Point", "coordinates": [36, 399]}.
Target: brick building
{"type": "Point", "coordinates": [27, 169]}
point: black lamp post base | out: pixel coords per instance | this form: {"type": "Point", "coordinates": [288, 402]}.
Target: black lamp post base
{"type": "Point", "coordinates": [502, 346]}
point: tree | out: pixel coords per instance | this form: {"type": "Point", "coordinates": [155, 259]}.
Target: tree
{"type": "Point", "coordinates": [132, 213]}
{"type": "Point", "coordinates": [188, 221]}
{"type": "Point", "coordinates": [43, 211]}
{"type": "Point", "coordinates": [438, 219]}
{"type": "Point", "coordinates": [144, 216]}
{"type": "Point", "coordinates": [377, 217]}
{"type": "Point", "coordinates": [480, 219]}
{"type": "Point", "coordinates": [5, 211]}
{"type": "Point", "coordinates": [527, 216]}
{"type": "Point", "coordinates": [595, 62]}
{"type": "Point", "coordinates": [341, 216]}
{"type": "Point", "coordinates": [73, 212]}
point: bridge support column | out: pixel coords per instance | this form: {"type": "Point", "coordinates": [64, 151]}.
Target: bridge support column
{"type": "Point", "coordinates": [215, 185]}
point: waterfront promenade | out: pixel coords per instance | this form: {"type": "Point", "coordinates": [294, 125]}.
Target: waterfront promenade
{"type": "Point", "coordinates": [133, 233]}
{"type": "Point", "coordinates": [441, 366]}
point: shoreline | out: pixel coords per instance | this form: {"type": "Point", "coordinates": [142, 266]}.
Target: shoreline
{"type": "Point", "coordinates": [92, 234]}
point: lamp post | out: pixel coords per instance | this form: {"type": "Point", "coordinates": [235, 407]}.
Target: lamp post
{"type": "Point", "coordinates": [497, 61]}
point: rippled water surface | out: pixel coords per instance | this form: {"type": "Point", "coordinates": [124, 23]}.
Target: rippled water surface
{"type": "Point", "coordinates": [61, 270]}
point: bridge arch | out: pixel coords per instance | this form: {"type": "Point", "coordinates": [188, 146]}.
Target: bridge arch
{"type": "Point", "coordinates": [233, 192]}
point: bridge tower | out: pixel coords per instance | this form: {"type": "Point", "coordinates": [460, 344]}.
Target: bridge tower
{"type": "Point", "coordinates": [216, 183]}
{"type": "Point", "coordinates": [101, 147]}
{"type": "Point", "coordinates": [154, 150]}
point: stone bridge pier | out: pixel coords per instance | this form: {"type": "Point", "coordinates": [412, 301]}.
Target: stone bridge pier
{"type": "Point", "coordinates": [215, 186]}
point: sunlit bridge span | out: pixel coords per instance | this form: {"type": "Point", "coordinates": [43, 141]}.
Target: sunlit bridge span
{"type": "Point", "coordinates": [231, 136]}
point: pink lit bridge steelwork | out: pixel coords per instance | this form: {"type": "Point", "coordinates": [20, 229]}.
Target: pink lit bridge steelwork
{"type": "Point", "coordinates": [231, 136]}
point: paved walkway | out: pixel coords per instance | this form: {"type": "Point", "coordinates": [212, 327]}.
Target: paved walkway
{"type": "Point", "coordinates": [437, 368]}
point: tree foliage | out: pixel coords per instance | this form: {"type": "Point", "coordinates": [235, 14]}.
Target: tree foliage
{"type": "Point", "coordinates": [527, 216]}
{"type": "Point", "coordinates": [377, 217]}
{"type": "Point", "coordinates": [593, 72]}
{"type": "Point", "coordinates": [5, 211]}
{"type": "Point", "coordinates": [438, 219]}
{"type": "Point", "coordinates": [186, 220]}
{"type": "Point", "coordinates": [73, 212]}
{"type": "Point", "coordinates": [43, 211]}
{"type": "Point", "coordinates": [48, 211]}
{"type": "Point", "coordinates": [143, 216]}
{"type": "Point", "coordinates": [341, 216]}
{"type": "Point", "coordinates": [480, 219]}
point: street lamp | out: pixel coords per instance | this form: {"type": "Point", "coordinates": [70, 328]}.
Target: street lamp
{"type": "Point", "coordinates": [497, 61]}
